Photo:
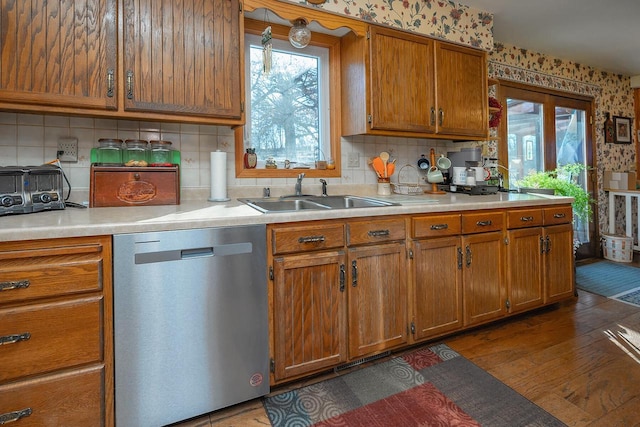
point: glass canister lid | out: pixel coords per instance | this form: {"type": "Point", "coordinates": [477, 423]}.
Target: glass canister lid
{"type": "Point", "coordinates": [136, 143]}
{"type": "Point", "coordinates": [110, 143]}
{"type": "Point", "coordinates": [161, 144]}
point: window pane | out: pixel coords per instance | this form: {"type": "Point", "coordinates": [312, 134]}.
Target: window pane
{"type": "Point", "coordinates": [525, 143]}
{"type": "Point", "coordinates": [285, 107]}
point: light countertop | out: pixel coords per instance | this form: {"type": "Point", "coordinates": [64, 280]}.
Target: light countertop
{"type": "Point", "coordinates": [75, 222]}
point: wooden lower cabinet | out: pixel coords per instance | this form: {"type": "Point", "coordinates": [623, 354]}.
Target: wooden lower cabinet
{"type": "Point", "coordinates": [56, 352]}
{"type": "Point", "coordinates": [377, 291]}
{"type": "Point", "coordinates": [343, 290]}
{"type": "Point", "coordinates": [524, 266]}
{"type": "Point", "coordinates": [436, 298]}
{"type": "Point", "coordinates": [309, 307]}
{"type": "Point", "coordinates": [559, 270]}
{"type": "Point", "coordinates": [483, 277]}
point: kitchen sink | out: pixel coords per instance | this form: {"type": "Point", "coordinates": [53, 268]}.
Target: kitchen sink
{"type": "Point", "coordinates": [292, 204]}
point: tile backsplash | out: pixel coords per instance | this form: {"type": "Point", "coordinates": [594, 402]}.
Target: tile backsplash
{"type": "Point", "coordinates": [32, 139]}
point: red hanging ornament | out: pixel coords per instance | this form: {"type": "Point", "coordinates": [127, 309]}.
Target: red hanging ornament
{"type": "Point", "coordinates": [494, 116]}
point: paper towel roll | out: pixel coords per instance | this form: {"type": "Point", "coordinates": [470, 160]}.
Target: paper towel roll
{"type": "Point", "coordinates": [218, 176]}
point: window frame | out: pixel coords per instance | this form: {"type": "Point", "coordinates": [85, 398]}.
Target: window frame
{"type": "Point", "coordinates": [333, 45]}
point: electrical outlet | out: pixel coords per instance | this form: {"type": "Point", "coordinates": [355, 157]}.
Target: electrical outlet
{"type": "Point", "coordinates": [353, 160]}
{"type": "Point", "coordinates": [68, 149]}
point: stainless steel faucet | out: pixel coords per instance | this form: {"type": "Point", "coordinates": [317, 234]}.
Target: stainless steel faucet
{"type": "Point", "coordinates": [299, 185]}
{"type": "Point", "coordinates": [324, 187]}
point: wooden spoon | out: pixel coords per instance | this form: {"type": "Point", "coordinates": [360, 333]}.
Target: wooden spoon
{"type": "Point", "coordinates": [384, 156]}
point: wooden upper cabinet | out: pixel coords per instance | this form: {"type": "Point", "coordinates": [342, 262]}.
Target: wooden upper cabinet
{"type": "Point", "coordinates": [402, 88]}
{"type": "Point", "coordinates": [183, 57]}
{"type": "Point", "coordinates": [58, 53]}
{"type": "Point", "coordinates": [401, 84]}
{"type": "Point", "coordinates": [463, 107]}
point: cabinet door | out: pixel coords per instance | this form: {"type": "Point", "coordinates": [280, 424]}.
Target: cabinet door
{"type": "Point", "coordinates": [437, 291]}
{"type": "Point", "coordinates": [524, 267]}
{"type": "Point", "coordinates": [462, 91]}
{"type": "Point", "coordinates": [402, 81]}
{"type": "Point", "coordinates": [559, 270]}
{"type": "Point", "coordinates": [309, 304]}
{"type": "Point", "coordinates": [377, 298]}
{"type": "Point", "coordinates": [483, 277]}
{"type": "Point", "coordinates": [58, 53]}
{"type": "Point", "coordinates": [183, 57]}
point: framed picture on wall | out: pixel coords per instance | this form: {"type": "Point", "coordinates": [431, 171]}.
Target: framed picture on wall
{"type": "Point", "coordinates": [622, 129]}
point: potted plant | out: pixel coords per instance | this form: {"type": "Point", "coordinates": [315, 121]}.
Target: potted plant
{"type": "Point", "coordinates": [562, 181]}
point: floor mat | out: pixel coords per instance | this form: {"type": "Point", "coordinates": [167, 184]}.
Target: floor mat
{"type": "Point", "coordinates": [607, 278]}
{"type": "Point", "coordinates": [630, 297]}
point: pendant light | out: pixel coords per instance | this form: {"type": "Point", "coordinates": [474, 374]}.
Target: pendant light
{"type": "Point", "coordinates": [299, 35]}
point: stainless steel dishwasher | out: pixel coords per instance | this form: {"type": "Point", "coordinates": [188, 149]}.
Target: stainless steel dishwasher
{"type": "Point", "coordinates": [190, 322]}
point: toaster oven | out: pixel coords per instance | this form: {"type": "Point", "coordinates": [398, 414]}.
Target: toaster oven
{"type": "Point", "coordinates": [27, 189]}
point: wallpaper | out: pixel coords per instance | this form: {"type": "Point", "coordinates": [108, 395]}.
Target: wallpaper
{"type": "Point", "coordinates": [447, 20]}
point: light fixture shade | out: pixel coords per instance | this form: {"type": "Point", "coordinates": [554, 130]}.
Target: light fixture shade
{"type": "Point", "coordinates": [299, 35]}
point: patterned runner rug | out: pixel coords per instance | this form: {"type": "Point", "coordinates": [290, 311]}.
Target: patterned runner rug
{"type": "Point", "coordinates": [432, 386]}
{"type": "Point", "coordinates": [607, 278]}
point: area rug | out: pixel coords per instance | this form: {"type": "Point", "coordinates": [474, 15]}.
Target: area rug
{"type": "Point", "coordinates": [432, 386]}
{"type": "Point", "coordinates": [607, 278]}
{"type": "Point", "coordinates": [630, 297]}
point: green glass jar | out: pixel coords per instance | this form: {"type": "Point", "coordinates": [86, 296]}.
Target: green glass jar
{"type": "Point", "coordinates": [109, 151]}
{"type": "Point", "coordinates": [135, 151]}
{"type": "Point", "coordinates": [160, 153]}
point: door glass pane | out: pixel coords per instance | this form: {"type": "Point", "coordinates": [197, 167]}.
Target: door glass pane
{"type": "Point", "coordinates": [525, 143]}
{"type": "Point", "coordinates": [571, 149]}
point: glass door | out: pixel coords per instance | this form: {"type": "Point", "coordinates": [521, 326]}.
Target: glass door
{"type": "Point", "coordinates": [546, 130]}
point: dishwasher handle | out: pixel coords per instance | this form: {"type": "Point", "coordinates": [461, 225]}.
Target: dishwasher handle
{"type": "Point", "coordinates": [193, 253]}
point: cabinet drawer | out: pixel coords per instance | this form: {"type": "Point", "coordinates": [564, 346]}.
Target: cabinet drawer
{"type": "Point", "coordinates": [558, 215]}
{"type": "Point", "coordinates": [522, 218]}
{"type": "Point", "coordinates": [307, 238]}
{"type": "Point", "coordinates": [482, 221]}
{"type": "Point", "coordinates": [70, 399]}
{"type": "Point", "coordinates": [375, 231]}
{"type": "Point", "coordinates": [44, 337]}
{"type": "Point", "coordinates": [50, 276]}
{"type": "Point", "coordinates": [436, 225]}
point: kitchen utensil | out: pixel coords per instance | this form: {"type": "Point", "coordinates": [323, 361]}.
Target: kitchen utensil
{"type": "Point", "coordinates": [434, 176]}
{"type": "Point", "coordinates": [378, 166]}
{"type": "Point", "coordinates": [391, 167]}
{"type": "Point", "coordinates": [385, 159]}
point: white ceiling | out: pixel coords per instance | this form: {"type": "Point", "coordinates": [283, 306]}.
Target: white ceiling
{"type": "Point", "coordinates": [604, 34]}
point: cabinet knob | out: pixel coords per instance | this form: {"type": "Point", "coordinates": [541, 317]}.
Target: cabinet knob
{"type": "Point", "coordinates": [14, 338]}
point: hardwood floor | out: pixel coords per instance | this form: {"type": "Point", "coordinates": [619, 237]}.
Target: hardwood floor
{"type": "Point", "coordinates": [579, 360]}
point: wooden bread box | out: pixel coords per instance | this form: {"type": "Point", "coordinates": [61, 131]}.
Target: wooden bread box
{"type": "Point", "coordinates": [134, 186]}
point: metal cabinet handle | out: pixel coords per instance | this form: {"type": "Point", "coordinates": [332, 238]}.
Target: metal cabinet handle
{"type": "Point", "coordinates": [559, 215]}
{"type": "Point", "coordinates": [311, 239]}
{"type": "Point", "coordinates": [547, 242]}
{"type": "Point", "coordinates": [378, 233]}
{"type": "Point", "coordinates": [20, 284]}
{"type": "Point", "coordinates": [542, 248]}
{"type": "Point", "coordinates": [484, 223]}
{"type": "Point", "coordinates": [110, 80]}
{"type": "Point", "coordinates": [439, 226]}
{"type": "Point", "coordinates": [10, 417]}
{"type": "Point", "coordinates": [526, 218]}
{"type": "Point", "coordinates": [129, 84]}
{"type": "Point", "coordinates": [433, 116]}
{"type": "Point", "coordinates": [343, 275]}
{"type": "Point", "coordinates": [14, 338]}
{"type": "Point", "coordinates": [459, 258]}
{"type": "Point", "coordinates": [354, 273]}
{"type": "Point", "coordinates": [468, 250]}
{"type": "Point", "coordinates": [441, 113]}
